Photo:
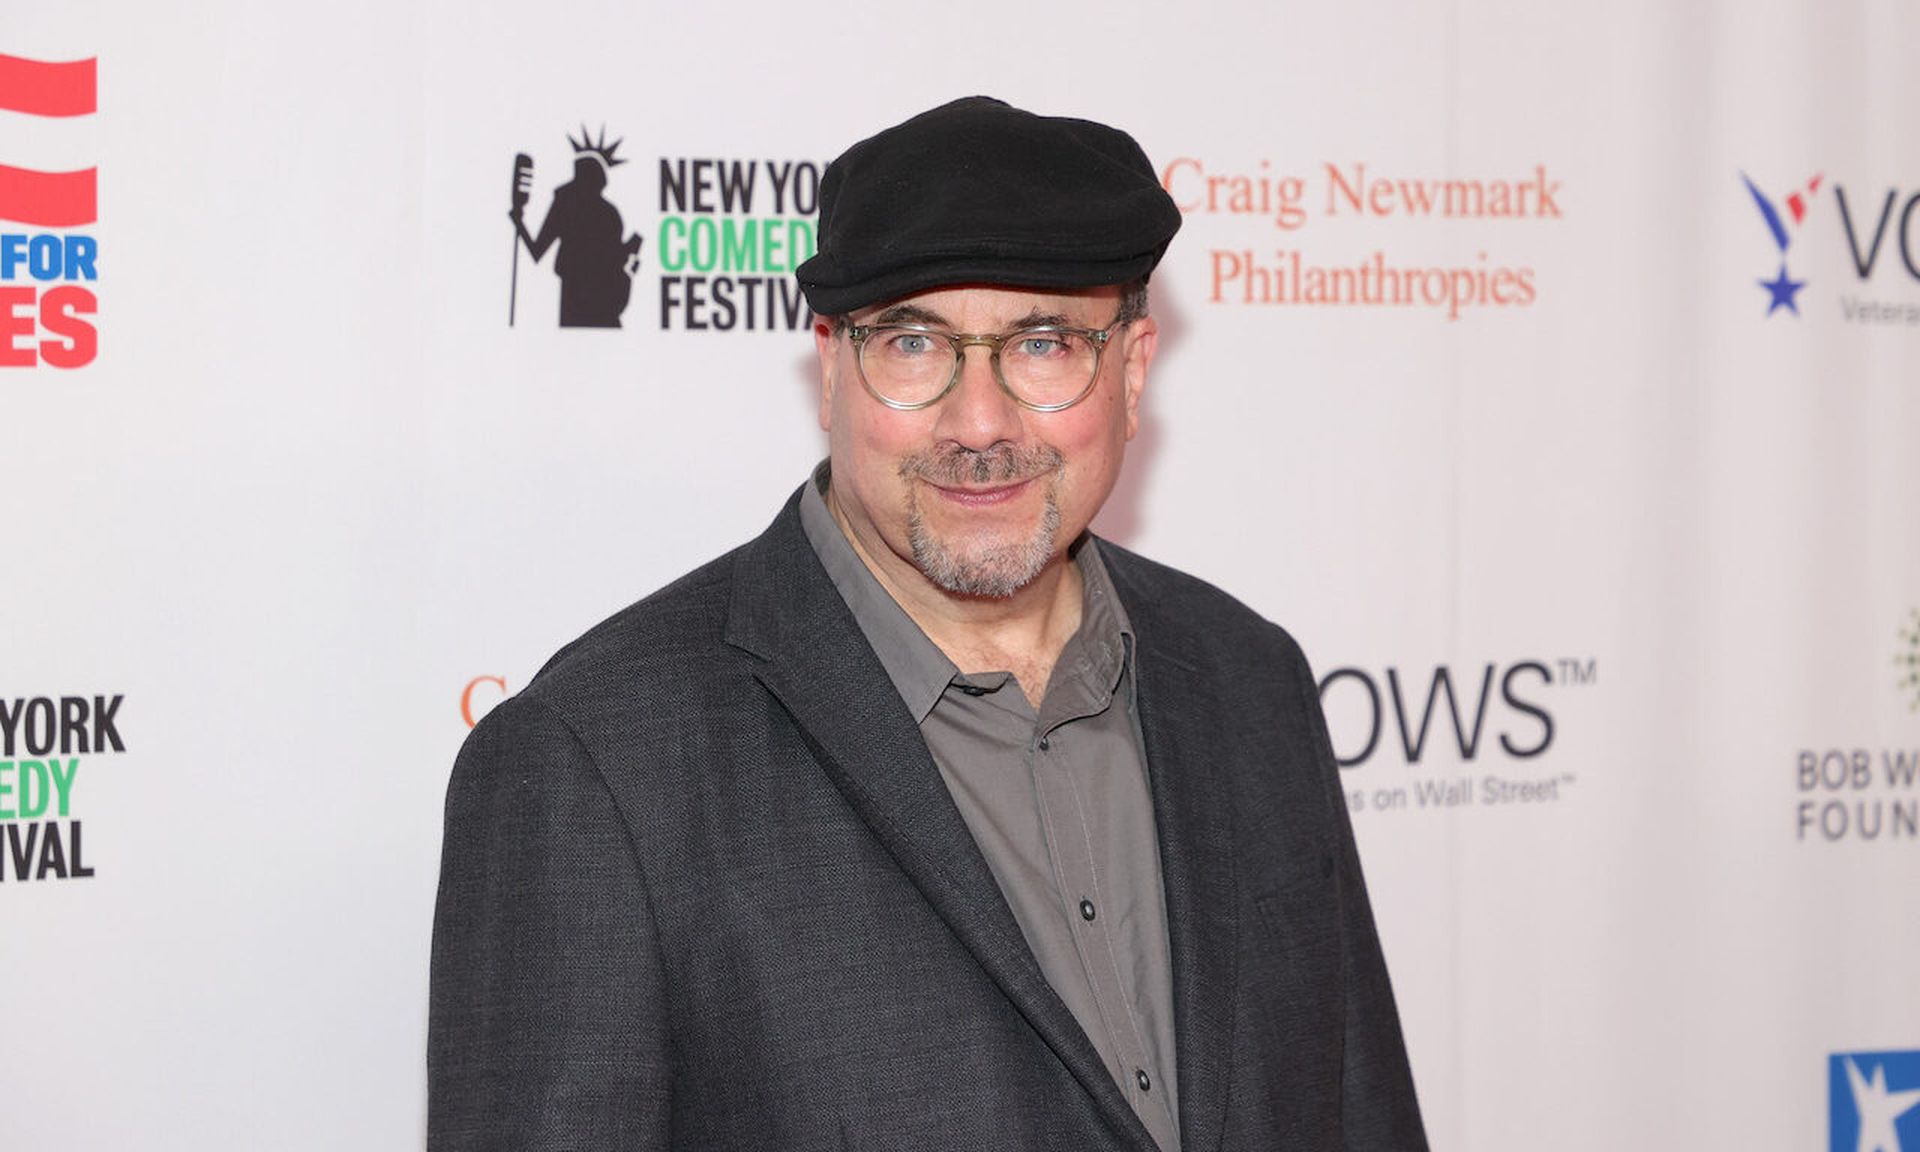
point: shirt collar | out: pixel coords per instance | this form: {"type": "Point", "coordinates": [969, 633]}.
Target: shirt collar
{"type": "Point", "coordinates": [915, 664]}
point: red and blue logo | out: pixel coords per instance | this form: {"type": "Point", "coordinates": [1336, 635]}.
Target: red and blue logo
{"type": "Point", "coordinates": [48, 268]}
{"type": "Point", "coordinates": [1783, 288]}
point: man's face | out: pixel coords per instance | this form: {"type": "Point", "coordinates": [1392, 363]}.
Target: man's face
{"type": "Point", "coordinates": [976, 495]}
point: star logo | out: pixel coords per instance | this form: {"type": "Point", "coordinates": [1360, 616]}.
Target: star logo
{"type": "Point", "coordinates": [1783, 288]}
{"type": "Point", "coordinates": [1868, 1116]}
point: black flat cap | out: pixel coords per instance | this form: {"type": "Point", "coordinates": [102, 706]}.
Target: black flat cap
{"type": "Point", "coordinates": [978, 191]}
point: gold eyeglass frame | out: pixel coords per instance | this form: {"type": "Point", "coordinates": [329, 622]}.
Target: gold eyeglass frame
{"type": "Point", "coordinates": [961, 341]}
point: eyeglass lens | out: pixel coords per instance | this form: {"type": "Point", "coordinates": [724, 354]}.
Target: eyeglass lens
{"type": "Point", "coordinates": [1040, 366]}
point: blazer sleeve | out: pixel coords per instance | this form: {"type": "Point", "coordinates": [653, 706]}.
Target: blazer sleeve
{"type": "Point", "coordinates": [546, 1021]}
{"type": "Point", "coordinates": [1379, 1111]}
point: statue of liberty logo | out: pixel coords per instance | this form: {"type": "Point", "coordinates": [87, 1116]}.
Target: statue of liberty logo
{"type": "Point", "coordinates": [597, 257]}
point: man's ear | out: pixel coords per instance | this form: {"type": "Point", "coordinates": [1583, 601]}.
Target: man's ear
{"type": "Point", "coordinates": [1142, 339]}
{"type": "Point", "coordinates": [825, 335]}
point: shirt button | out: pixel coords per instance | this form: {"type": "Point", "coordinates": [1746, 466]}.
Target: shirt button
{"type": "Point", "coordinates": [1140, 1075]}
{"type": "Point", "coordinates": [1086, 910]}
{"type": "Point", "coordinates": [1043, 744]}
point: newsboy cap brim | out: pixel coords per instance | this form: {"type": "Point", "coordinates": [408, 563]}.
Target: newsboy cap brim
{"type": "Point", "coordinates": [979, 192]}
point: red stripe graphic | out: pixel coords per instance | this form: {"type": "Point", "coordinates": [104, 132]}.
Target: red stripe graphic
{"type": "Point", "coordinates": [48, 199]}
{"type": "Point", "coordinates": [1797, 203]}
{"type": "Point", "coordinates": [39, 88]}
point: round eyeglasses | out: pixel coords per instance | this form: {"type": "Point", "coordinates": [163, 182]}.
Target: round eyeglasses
{"type": "Point", "coordinates": [1046, 368]}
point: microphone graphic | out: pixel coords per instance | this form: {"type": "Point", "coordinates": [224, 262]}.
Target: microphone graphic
{"type": "Point", "coordinates": [522, 192]}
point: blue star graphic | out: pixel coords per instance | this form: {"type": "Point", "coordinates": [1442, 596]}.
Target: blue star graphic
{"type": "Point", "coordinates": [1781, 291]}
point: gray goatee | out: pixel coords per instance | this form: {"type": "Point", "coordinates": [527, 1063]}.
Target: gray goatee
{"type": "Point", "coordinates": [995, 571]}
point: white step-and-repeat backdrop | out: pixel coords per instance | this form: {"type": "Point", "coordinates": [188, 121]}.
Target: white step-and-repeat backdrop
{"type": "Point", "coordinates": [1552, 370]}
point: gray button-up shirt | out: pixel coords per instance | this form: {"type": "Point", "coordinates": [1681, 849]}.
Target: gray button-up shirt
{"type": "Point", "coordinates": [1058, 802]}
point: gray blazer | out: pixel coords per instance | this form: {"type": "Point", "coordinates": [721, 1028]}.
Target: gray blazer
{"type": "Point", "coordinates": [703, 888]}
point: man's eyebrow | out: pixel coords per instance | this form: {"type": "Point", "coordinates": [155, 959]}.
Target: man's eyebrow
{"type": "Point", "coordinates": [911, 314]}
{"type": "Point", "coordinates": [1039, 319]}
{"type": "Point", "coordinates": [914, 314]}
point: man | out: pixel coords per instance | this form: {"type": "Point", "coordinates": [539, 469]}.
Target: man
{"type": "Point", "coordinates": [925, 820]}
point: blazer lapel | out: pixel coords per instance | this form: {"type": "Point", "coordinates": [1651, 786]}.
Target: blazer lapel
{"type": "Point", "coordinates": [1194, 822]}
{"type": "Point", "coordinates": [814, 660]}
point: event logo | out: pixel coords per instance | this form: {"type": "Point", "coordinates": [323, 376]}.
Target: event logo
{"type": "Point", "coordinates": [728, 236]}
{"type": "Point", "coordinates": [1870, 234]}
{"type": "Point", "coordinates": [1782, 289]}
{"type": "Point", "coordinates": [1492, 712]}
{"type": "Point", "coordinates": [45, 301]}
{"type": "Point", "coordinates": [1856, 793]}
{"type": "Point", "coordinates": [597, 258]}
{"type": "Point", "coordinates": [1861, 796]}
{"type": "Point", "coordinates": [42, 739]}
{"type": "Point", "coordinates": [1908, 660]}
{"type": "Point", "coordinates": [1388, 208]}
{"type": "Point", "coordinates": [731, 234]}
{"type": "Point", "coordinates": [1873, 1101]}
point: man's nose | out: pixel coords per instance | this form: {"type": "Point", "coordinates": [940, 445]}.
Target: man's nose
{"type": "Point", "coordinates": [978, 413]}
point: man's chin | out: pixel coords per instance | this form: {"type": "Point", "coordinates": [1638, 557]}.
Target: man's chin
{"type": "Point", "coordinates": [988, 552]}
{"type": "Point", "coordinates": [988, 569]}
{"type": "Point", "coordinates": [985, 581]}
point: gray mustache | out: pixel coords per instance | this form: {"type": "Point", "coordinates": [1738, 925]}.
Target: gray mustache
{"type": "Point", "coordinates": [1001, 464]}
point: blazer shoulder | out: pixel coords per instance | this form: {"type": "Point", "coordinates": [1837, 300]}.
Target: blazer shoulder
{"type": "Point", "coordinates": [672, 632]}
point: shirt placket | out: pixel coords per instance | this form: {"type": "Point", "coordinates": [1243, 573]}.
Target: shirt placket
{"type": "Point", "coordinates": [1074, 824]}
